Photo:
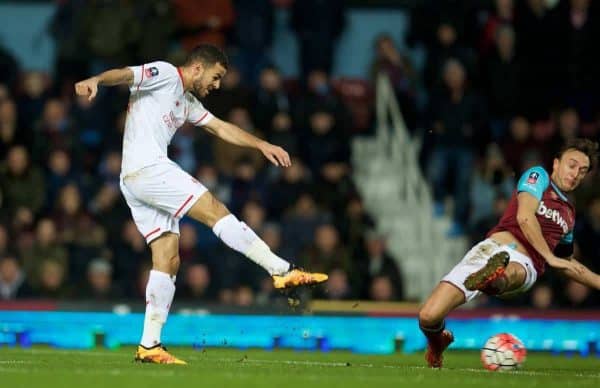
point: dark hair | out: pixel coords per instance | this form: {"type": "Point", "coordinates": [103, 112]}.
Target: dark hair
{"type": "Point", "coordinates": [586, 146]}
{"type": "Point", "coordinates": [207, 54]}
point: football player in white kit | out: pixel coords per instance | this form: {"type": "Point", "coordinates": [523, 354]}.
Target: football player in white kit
{"type": "Point", "coordinates": [159, 193]}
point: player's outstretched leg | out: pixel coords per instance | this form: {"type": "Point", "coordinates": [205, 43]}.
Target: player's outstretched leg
{"type": "Point", "coordinates": [295, 277]}
{"type": "Point", "coordinates": [444, 298]}
{"type": "Point", "coordinates": [492, 272]}
{"type": "Point", "coordinates": [238, 236]}
{"type": "Point", "coordinates": [438, 341]}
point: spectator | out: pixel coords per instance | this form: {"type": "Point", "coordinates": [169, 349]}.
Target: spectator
{"type": "Point", "coordinates": [247, 184]}
{"type": "Point", "coordinates": [270, 97]}
{"type": "Point", "coordinates": [132, 256]}
{"type": "Point", "coordinates": [55, 130]}
{"type": "Point", "coordinates": [401, 73]}
{"type": "Point", "coordinates": [327, 251]}
{"type": "Point", "coordinates": [300, 223]}
{"type": "Point", "coordinates": [318, 24]}
{"type": "Point", "coordinates": [11, 134]}
{"type": "Point", "coordinates": [502, 17]}
{"type": "Point", "coordinates": [354, 224]}
{"type": "Point", "coordinates": [45, 247]}
{"type": "Point", "coordinates": [519, 145]}
{"type": "Point", "coordinates": [21, 182]}
{"type": "Point", "coordinates": [12, 278]}
{"type": "Point", "coordinates": [197, 283]}
{"type": "Point", "coordinates": [253, 35]}
{"type": "Point", "coordinates": [52, 281]}
{"type": "Point", "coordinates": [66, 28]}
{"type": "Point", "coordinates": [4, 241]}
{"type": "Point", "coordinates": [542, 297]}
{"type": "Point", "coordinates": [227, 155]}
{"type": "Point", "coordinates": [338, 286]}
{"type": "Point", "coordinates": [458, 124]}
{"type": "Point", "coordinates": [382, 289]}
{"type": "Point", "coordinates": [445, 48]}
{"type": "Point", "coordinates": [203, 21]}
{"type": "Point", "coordinates": [287, 188]}
{"type": "Point", "coordinates": [324, 144]}
{"type": "Point", "coordinates": [99, 285]}
{"type": "Point", "coordinates": [319, 97]}
{"type": "Point", "coordinates": [578, 296]}
{"type": "Point", "coordinates": [111, 31]}
{"type": "Point", "coordinates": [377, 263]}
{"type": "Point", "coordinates": [109, 209]}
{"type": "Point", "coordinates": [59, 174]}
{"type": "Point", "coordinates": [502, 82]}
{"type": "Point", "coordinates": [492, 179]}
{"type": "Point", "coordinates": [156, 30]}
{"type": "Point", "coordinates": [283, 134]}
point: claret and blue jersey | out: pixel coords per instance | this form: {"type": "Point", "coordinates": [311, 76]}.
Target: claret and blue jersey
{"type": "Point", "coordinates": [555, 214]}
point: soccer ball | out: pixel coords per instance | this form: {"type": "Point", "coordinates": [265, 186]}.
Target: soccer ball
{"type": "Point", "coordinates": [503, 352]}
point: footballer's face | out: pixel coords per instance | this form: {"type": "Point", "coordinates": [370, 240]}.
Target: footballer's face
{"type": "Point", "coordinates": [570, 169]}
{"type": "Point", "coordinates": [207, 78]}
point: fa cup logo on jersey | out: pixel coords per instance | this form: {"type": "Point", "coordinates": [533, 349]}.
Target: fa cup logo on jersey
{"type": "Point", "coordinates": [553, 215]}
{"type": "Point", "coordinates": [151, 72]}
{"type": "Point", "coordinates": [533, 177]}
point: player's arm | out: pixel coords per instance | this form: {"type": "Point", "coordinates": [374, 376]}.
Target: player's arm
{"type": "Point", "coordinates": [527, 207]}
{"type": "Point", "coordinates": [235, 135]}
{"type": "Point", "coordinates": [89, 87]}
{"type": "Point", "coordinates": [585, 276]}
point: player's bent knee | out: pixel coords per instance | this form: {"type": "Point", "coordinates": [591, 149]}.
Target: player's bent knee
{"type": "Point", "coordinates": [516, 275]}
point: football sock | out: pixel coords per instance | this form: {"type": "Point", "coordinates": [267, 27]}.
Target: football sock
{"type": "Point", "coordinates": [238, 236]}
{"type": "Point", "coordinates": [159, 296]}
{"type": "Point", "coordinates": [433, 332]}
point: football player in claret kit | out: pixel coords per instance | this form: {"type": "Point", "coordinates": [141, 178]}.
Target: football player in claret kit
{"type": "Point", "coordinates": [158, 192]}
{"type": "Point", "coordinates": [536, 230]}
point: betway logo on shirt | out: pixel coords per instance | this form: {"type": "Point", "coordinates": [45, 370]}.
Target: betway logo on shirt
{"type": "Point", "coordinates": [553, 215]}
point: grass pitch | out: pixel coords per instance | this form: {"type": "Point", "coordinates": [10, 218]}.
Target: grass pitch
{"type": "Point", "coordinates": [52, 368]}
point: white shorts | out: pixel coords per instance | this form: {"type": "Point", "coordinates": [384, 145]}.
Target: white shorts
{"type": "Point", "coordinates": [478, 256]}
{"type": "Point", "coordinates": [159, 196]}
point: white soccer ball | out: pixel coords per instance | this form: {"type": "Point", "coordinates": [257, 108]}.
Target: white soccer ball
{"type": "Point", "coordinates": [503, 352]}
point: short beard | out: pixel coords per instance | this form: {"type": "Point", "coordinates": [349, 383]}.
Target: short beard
{"type": "Point", "coordinates": [193, 92]}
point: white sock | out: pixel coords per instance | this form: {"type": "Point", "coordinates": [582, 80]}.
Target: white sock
{"type": "Point", "coordinates": [159, 296]}
{"type": "Point", "coordinates": [238, 236]}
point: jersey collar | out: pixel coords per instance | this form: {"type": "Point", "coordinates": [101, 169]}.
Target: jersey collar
{"type": "Point", "coordinates": [181, 78]}
{"type": "Point", "coordinates": [560, 193]}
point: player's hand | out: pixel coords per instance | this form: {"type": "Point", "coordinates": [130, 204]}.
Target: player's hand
{"type": "Point", "coordinates": [566, 265]}
{"type": "Point", "coordinates": [87, 87]}
{"type": "Point", "coordinates": [277, 155]}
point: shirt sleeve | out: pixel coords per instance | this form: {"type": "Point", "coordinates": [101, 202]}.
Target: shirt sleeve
{"type": "Point", "coordinates": [567, 238]}
{"type": "Point", "coordinates": [153, 76]}
{"type": "Point", "coordinates": [198, 114]}
{"type": "Point", "coordinates": [534, 181]}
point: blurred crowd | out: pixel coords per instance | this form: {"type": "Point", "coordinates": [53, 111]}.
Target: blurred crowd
{"type": "Point", "coordinates": [503, 85]}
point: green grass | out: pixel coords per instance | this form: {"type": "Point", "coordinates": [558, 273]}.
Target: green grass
{"type": "Point", "coordinates": [50, 368]}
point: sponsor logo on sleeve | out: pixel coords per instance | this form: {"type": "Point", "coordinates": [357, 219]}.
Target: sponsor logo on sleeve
{"type": "Point", "coordinates": [151, 72]}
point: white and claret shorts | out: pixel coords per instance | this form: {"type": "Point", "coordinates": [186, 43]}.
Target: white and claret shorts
{"type": "Point", "coordinates": [478, 256]}
{"type": "Point", "coordinates": [159, 196]}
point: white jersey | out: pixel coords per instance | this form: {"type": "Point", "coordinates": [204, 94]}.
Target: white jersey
{"type": "Point", "coordinates": [158, 106]}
